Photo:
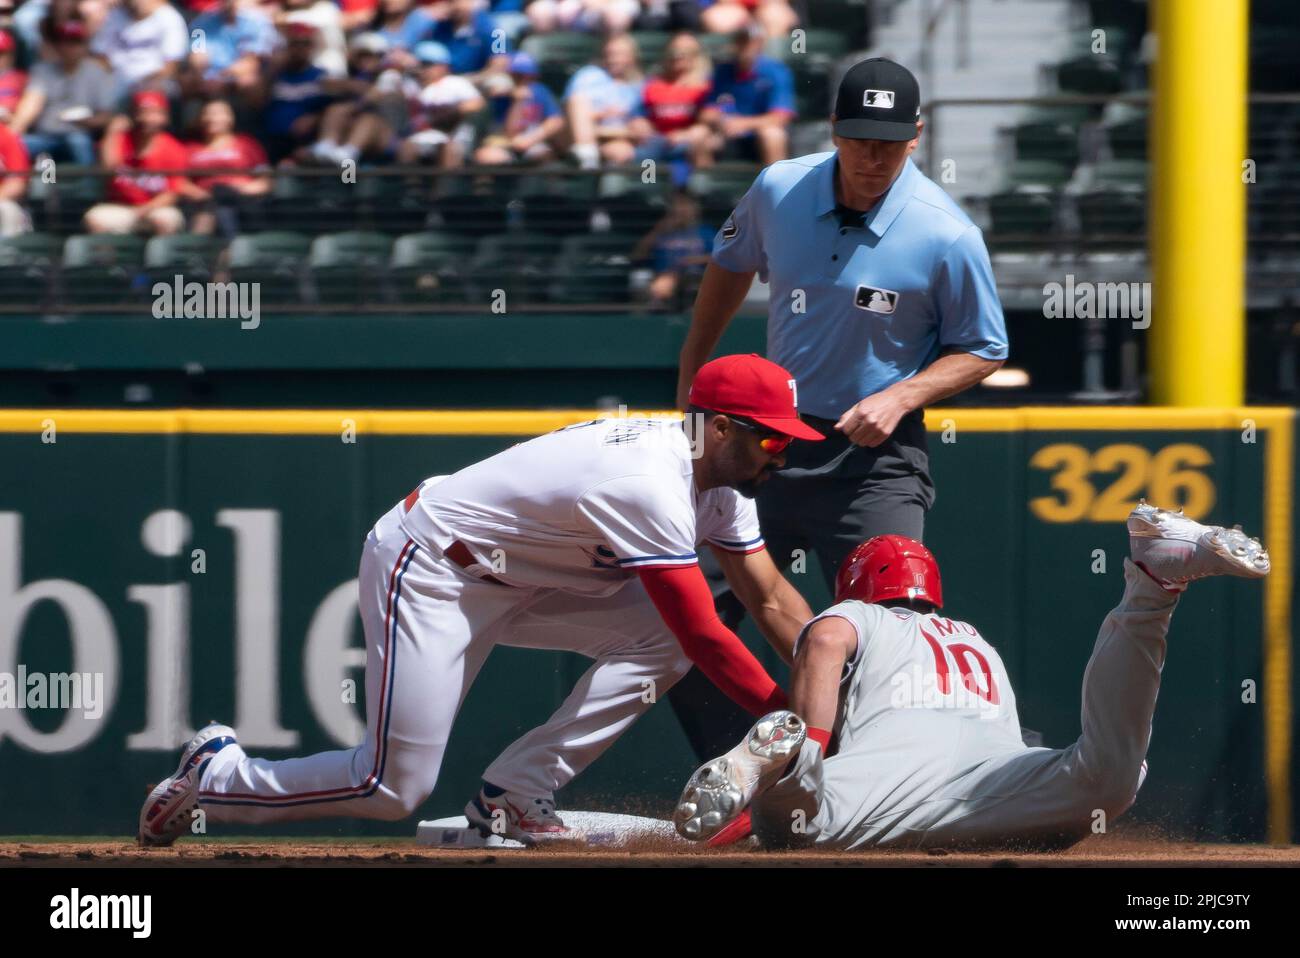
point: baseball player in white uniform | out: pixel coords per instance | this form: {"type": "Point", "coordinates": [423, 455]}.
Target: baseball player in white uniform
{"type": "Point", "coordinates": [909, 735]}
{"type": "Point", "coordinates": [537, 547]}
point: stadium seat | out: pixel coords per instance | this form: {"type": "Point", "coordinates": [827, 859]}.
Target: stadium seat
{"type": "Point", "coordinates": [1126, 132]}
{"type": "Point", "coordinates": [651, 45]}
{"type": "Point", "coordinates": [314, 203]}
{"type": "Point", "coordinates": [60, 206]}
{"type": "Point", "coordinates": [392, 204]}
{"type": "Point", "coordinates": [1090, 74]}
{"type": "Point", "coordinates": [1058, 142]}
{"type": "Point", "coordinates": [349, 267]}
{"type": "Point", "coordinates": [594, 269]}
{"type": "Point", "coordinates": [559, 55]}
{"type": "Point", "coordinates": [521, 264]}
{"type": "Point", "coordinates": [431, 267]}
{"type": "Point", "coordinates": [814, 98]}
{"type": "Point", "coordinates": [471, 213]}
{"type": "Point", "coordinates": [275, 259]}
{"type": "Point", "coordinates": [1122, 174]}
{"type": "Point", "coordinates": [848, 17]}
{"type": "Point", "coordinates": [630, 205]}
{"type": "Point", "coordinates": [104, 268]}
{"type": "Point", "coordinates": [27, 264]}
{"type": "Point", "coordinates": [1113, 217]}
{"type": "Point", "coordinates": [1023, 218]}
{"type": "Point", "coordinates": [1037, 173]}
{"type": "Point", "coordinates": [190, 255]}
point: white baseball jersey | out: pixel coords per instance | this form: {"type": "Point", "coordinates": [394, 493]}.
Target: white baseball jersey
{"type": "Point", "coordinates": [582, 508]}
{"type": "Point", "coordinates": [930, 749]}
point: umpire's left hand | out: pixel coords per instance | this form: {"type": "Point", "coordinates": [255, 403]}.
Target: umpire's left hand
{"type": "Point", "coordinates": [873, 420]}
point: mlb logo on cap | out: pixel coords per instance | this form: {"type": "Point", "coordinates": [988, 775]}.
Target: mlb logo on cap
{"type": "Point", "coordinates": [878, 99]}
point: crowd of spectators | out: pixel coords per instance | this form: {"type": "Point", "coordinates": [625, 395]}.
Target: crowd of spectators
{"type": "Point", "coordinates": [144, 88]}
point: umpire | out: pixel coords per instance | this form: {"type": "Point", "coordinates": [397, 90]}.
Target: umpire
{"type": "Point", "coordinates": [882, 302]}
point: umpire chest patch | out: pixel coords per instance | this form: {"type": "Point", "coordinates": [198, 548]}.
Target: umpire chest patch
{"type": "Point", "coordinates": [875, 300]}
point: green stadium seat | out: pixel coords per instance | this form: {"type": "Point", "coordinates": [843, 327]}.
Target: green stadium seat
{"type": "Point", "coordinates": [595, 268]}
{"type": "Point", "coordinates": [58, 207]}
{"type": "Point", "coordinates": [189, 254]}
{"type": "Point", "coordinates": [1022, 218]}
{"type": "Point", "coordinates": [812, 90]}
{"type": "Point", "coordinates": [521, 264]}
{"type": "Point", "coordinates": [849, 17]}
{"type": "Point", "coordinates": [431, 267]}
{"type": "Point", "coordinates": [1046, 173]}
{"type": "Point", "coordinates": [555, 213]}
{"type": "Point", "coordinates": [1128, 137]}
{"type": "Point", "coordinates": [471, 213]}
{"type": "Point", "coordinates": [27, 264]}
{"type": "Point", "coordinates": [1058, 142]}
{"type": "Point", "coordinates": [275, 259]}
{"type": "Point", "coordinates": [392, 204]}
{"type": "Point", "coordinates": [314, 203]}
{"type": "Point", "coordinates": [1090, 74]}
{"type": "Point", "coordinates": [1113, 217]}
{"type": "Point", "coordinates": [104, 268]}
{"type": "Point", "coordinates": [651, 45]}
{"type": "Point", "coordinates": [1121, 174]}
{"type": "Point", "coordinates": [349, 267]}
{"type": "Point", "coordinates": [559, 55]}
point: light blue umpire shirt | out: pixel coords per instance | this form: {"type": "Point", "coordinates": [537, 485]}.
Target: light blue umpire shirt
{"type": "Point", "coordinates": [880, 301]}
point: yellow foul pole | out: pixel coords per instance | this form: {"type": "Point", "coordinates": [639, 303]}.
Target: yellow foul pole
{"type": "Point", "coordinates": [1198, 202]}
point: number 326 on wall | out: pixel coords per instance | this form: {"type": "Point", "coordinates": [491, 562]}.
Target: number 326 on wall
{"type": "Point", "coordinates": [1171, 478]}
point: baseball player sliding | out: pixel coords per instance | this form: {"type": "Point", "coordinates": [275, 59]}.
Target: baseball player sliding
{"type": "Point", "coordinates": [906, 732]}
{"type": "Point", "coordinates": [537, 547]}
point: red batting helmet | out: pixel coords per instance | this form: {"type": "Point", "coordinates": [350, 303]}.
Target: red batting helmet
{"type": "Point", "coordinates": [890, 567]}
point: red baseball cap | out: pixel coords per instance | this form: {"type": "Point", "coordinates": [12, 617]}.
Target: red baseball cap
{"type": "Point", "coordinates": [150, 98]}
{"type": "Point", "coordinates": [755, 388]}
{"type": "Point", "coordinates": [7, 41]}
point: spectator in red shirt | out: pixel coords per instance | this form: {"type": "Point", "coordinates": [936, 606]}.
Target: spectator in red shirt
{"type": "Point", "coordinates": [138, 197]}
{"type": "Point", "coordinates": [12, 80]}
{"type": "Point", "coordinates": [221, 200]}
{"type": "Point", "coordinates": [13, 159]}
{"type": "Point", "coordinates": [673, 100]}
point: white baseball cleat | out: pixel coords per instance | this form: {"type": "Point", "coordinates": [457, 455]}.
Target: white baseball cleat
{"type": "Point", "coordinates": [169, 807]}
{"type": "Point", "coordinates": [515, 816]}
{"type": "Point", "coordinates": [722, 789]}
{"type": "Point", "coordinates": [1175, 550]}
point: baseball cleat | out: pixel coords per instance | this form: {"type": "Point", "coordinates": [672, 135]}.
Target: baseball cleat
{"type": "Point", "coordinates": [1175, 550]}
{"type": "Point", "coordinates": [168, 809]}
{"type": "Point", "coordinates": [511, 815]}
{"type": "Point", "coordinates": [720, 791]}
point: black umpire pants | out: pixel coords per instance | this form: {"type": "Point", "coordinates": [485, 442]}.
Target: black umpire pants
{"type": "Point", "coordinates": [831, 496]}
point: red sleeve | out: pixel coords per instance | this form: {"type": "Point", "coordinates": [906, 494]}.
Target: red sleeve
{"type": "Point", "coordinates": [174, 156]}
{"type": "Point", "coordinates": [13, 154]}
{"type": "Point", "coordinates": [682, 596]}
{"type": "Point", "coordinates": [254, 155]}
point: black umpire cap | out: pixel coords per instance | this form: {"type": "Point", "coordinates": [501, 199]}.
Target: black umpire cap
{"type": "Point", "coordinates": [878, 100]}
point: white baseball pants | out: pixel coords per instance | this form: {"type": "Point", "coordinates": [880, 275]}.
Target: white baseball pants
{"type": "Point", "coordinates": [429, 626]}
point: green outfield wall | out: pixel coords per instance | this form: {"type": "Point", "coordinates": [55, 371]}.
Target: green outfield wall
{"type": "Point", "coordinates": [202, 563]}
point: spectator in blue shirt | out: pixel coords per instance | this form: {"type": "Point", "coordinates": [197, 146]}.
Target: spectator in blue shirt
{"type": "Point", "coordinates": [678, 246]}
{"type": "Point", "coordinates": [752, 103]}
{"type": "Point", "coordinates": [235, 43]}
{"type": "Point", "coordinates": [296, 93]}
{"type": "Point", "coordinates": [526, 122]}
{"type": "Point", "coordinates": [604, 106]}
{"type": "Point", "coordinates": [475, 44]}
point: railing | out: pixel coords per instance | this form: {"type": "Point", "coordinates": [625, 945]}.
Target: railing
{"type": "Point", "coordinates": [388, 239]}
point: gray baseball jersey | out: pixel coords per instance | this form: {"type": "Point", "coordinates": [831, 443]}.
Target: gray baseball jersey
{"type": "Point", "coordinates": [929, 747]}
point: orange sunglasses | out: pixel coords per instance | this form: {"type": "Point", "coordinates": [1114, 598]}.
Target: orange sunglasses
{"type": "Point", "coordinates": [772, 443]}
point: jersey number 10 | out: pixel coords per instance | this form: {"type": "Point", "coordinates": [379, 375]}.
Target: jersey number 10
{"type": "Point", "coordinates": [962, 655]}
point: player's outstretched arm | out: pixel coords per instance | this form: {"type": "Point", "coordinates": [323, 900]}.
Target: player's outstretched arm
{"type": "Point", "coordinates": [682, 596]}
{"type": "Point", "coordinates": [818, 669]}
{"type": "Point", "coordinates": [776, 606]}
{"type": "Point", "coordinates": [720, 295]}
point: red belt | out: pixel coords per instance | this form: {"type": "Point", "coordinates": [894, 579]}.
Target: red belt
{"type": "Point", "coordinates": [457, 552]}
